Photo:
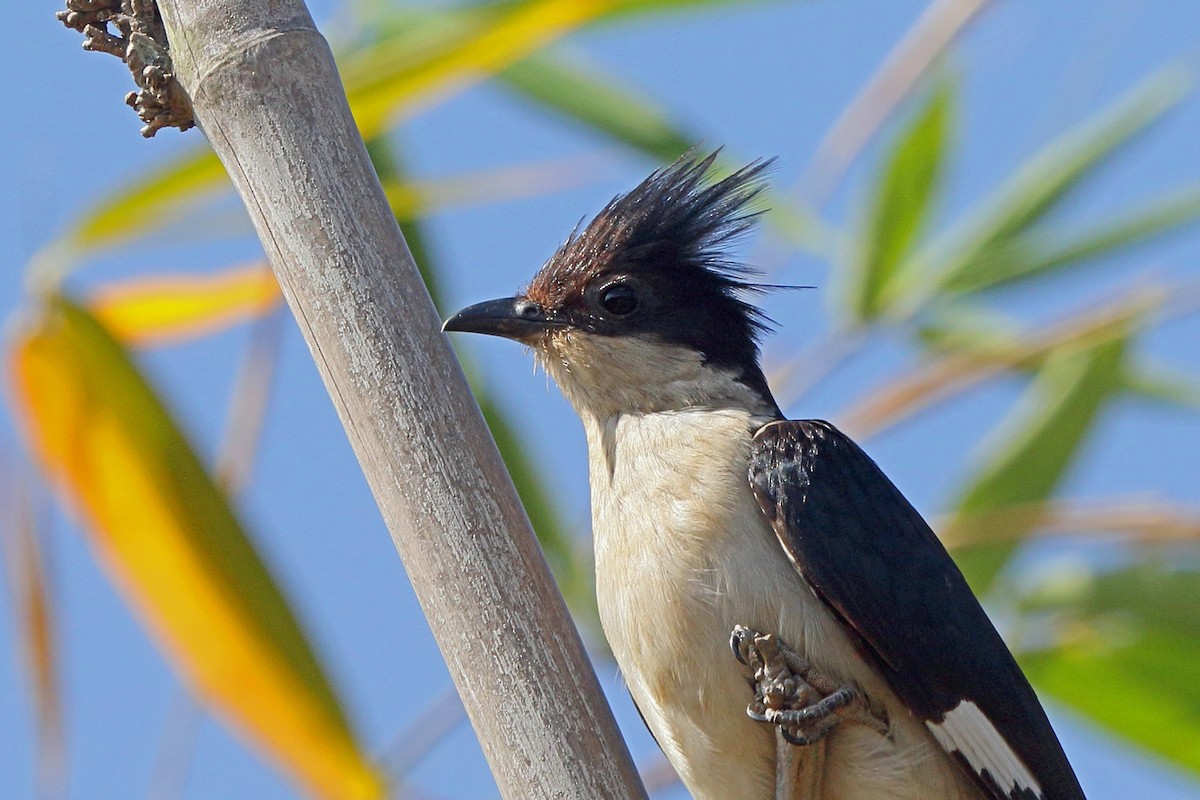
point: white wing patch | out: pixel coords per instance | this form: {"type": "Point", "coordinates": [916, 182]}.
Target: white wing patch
{"type": "Point", "coordinates": [967, 729]}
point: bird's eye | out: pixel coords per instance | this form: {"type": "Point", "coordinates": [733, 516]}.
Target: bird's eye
{"type": "Point", "coordinates": [620, 300]}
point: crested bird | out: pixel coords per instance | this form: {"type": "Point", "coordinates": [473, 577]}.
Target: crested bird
{"type": "Point", "coordinates": [713, 514]}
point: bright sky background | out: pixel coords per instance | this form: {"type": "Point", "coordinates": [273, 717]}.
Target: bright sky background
{"type": "Point", "coordinates": [763, 79]}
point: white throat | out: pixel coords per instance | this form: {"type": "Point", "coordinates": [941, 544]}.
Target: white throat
{"type": "Point", "coordinates": [606, 376]}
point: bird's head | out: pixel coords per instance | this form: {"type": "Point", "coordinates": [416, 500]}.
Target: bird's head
{"type": "Point", "coordinates": [643, 310]}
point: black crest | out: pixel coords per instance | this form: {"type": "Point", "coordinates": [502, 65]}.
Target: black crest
{"type": "Point", "coordinates": [671, 235]}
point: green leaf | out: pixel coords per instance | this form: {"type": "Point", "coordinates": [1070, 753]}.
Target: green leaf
{"type": "Point", "coordinates": [965, 327]}
{"type": "Point", "coordinates": [381, 82]}
{"type": "Point", "coordinates": [1163, 385]}
{"type": "Point", "coordinates": [419, 57]}
{"type": "Point", "coordinates": [632, 8]}
{"type": "Point", "coordinates": [623, 114]}
{"type": "Point", "coordinates": [579, 94]}
{"type": "Point", "coordinates": [1126, 655]}
{"type": "Point", "coordinates": [1038, 442]}
{"type": "Point", "coordinates": [147, 202]}
{"type": "Point", "coordinates": [985, 336]}
{"type": "Point", "coordinates": [1038, 253]}
{"type": "Point", "coordinates": [1038, 187]}
{"type": "Point", "coordinates": [901, 203]}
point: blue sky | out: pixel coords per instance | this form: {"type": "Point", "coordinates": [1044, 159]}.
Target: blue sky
{"type": "Point", "coordinates": [763, 79]}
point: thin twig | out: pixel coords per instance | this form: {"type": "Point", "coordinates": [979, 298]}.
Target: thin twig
{"type": "Point", "coordinates": [29, 571]}
{"type": "Point", "coordinates": [248, 402]}
{"type": "Point", "coordinates": [795, 377]}
{"type": "Point", "coordinates": [934, 31]}
{"type": "Point", "coordinates": [1136, 519]}
{"type": "Point", "coordinates": [415, 742]}
{"type": "Point", "coordinates": [942, 378]}
{"type": "Point", "coordinates": [798, 774]}
{"type": "Point", "coordinates": [172, 764]}
{"type": "Point", "coordinates": [659, 776]}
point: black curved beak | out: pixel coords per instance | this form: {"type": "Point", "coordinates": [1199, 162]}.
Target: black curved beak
{"type": "Point", "coordinates": [510, 317]}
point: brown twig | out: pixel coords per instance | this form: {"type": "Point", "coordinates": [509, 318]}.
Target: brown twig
{"type": "Point", "coordinates": [942, 377]}
{"type": "Point", "coordinates": [24, 552]}
{"type": "Point", "coordinates": [132, 30]}
{"type": "Point", "coordinates": [1144, 520]}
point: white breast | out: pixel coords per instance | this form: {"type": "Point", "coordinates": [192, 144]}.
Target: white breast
{"type": "Point", "coordinates": [682, 555]}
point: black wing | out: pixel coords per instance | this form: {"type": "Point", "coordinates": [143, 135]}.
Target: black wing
{"type": "Point", "coordinates": [873, 560]}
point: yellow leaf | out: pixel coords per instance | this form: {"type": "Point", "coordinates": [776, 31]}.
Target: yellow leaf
{"type": "Point", "coordinates": [163, 308]}
{"type": "Point", "coordinates": [172, 544]}
{"type": "Point", "coordinates": [388, 81]}
{"type": "Point", "coordinates": [146, 202]}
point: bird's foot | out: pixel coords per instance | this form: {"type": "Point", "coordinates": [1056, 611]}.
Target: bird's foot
{"type": "Point", "coordinates": [791, 694]}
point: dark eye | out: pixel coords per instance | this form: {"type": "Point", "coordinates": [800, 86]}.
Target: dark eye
{"type": "Point", "coordinates": [620, 300]}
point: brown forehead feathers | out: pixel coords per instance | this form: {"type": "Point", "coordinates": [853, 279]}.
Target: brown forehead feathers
{"type": "Point", "coordinates": [674, 220]}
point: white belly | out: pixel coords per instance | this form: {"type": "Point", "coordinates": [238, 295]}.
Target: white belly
{"type": "Point", "coordinates": [671, 587]}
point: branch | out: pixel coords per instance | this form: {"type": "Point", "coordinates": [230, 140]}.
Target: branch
{"type": "Point", "coordinates": [266, 92]}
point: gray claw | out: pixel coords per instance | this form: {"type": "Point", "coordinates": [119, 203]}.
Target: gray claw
{"type": "Point", "coordinates": [790, 694]}
{"type": "Point", "coordinates": [738, 642]}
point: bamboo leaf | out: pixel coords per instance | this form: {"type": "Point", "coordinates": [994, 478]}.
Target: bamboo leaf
{"type": "Point", "coordinates": [625, 115]}
{"type": "Point", "coordinates": [410, 198]}
{"type": "Point", "coordinates": [1037, 443]}
{"type": "Point", "coordinates": [1125, 656]}
{"type": "Point", "coordinates": [1038, 187]}
{"type": "Point", "coordinates": [601, 104]}
{"type": "Point", "coordinates": [901, 203]}
{"type": "Point", "coordinates": [164, 309]}
{"type": "Point", "coordinates": [173, 545]}
{"type": "Point", "coordinates": [969, 348]}
{"type": "Point", "coordinates": [145, 202]}
{"type": "Point", "coordinates": [1145, 693]}
{"type": "Point", "coordinates": [416, 57]}
{"type": "Point", "coordinates": [391, 82]}
{"type": "Point", "coordinates": [1038, 253]}
{"type": "Point", "coordinates": [1163, 385]}
{"type": "Point", "coordinates": [381, 84]}
{"type": "Point", "coordinates": [968, 345]}
{"type": "Point", "coordinates": [159, 309]}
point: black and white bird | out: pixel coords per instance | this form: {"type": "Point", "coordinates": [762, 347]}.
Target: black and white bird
{"type": "Point", "coordinates": [710, 510]}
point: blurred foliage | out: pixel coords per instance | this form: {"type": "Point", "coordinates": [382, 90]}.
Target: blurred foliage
{"type": "Point", "coordinates": [29, 582]}
{"type": "Point", "coordinates": [172, 542]}
{"type": "Point", "coordinates": [1117, 645]}
{"type": "Point", "coordinates": [1122, 649]}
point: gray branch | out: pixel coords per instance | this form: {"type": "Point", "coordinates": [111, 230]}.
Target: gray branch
{"type": "Point", "coordinates": [266, 93]}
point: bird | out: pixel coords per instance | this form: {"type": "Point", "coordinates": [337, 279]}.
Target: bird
{"type": "Point", "coordinates": [714, 516]}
